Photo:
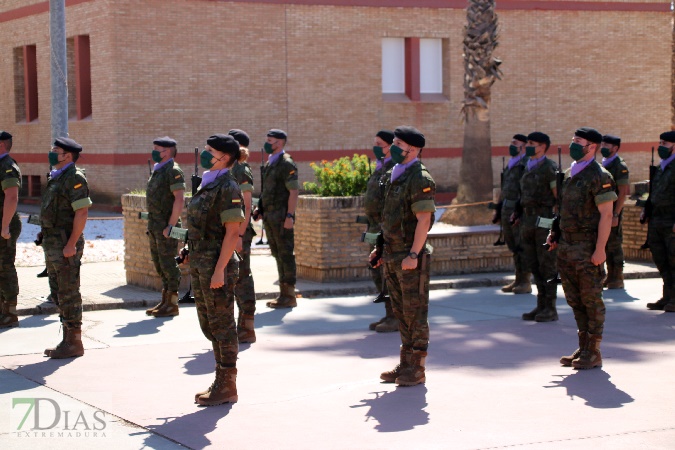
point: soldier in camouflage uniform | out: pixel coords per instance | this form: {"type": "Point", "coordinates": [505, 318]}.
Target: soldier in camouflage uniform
{"type": "Point", "coordinates": [214, 216]}
{"type": "Point", "coordinates": [279, 197]}
{"type": "Point", "coordinates": [617, 167]}
{"type": "Point", "coordinates": [244, 289]}
{"type": "Point", "coordinates": [10, 181]}
{"type": "Point", "coordinates": [63, 216]}
{"type": "Point", "coordinates": [661, 232]}
{"type": "Point", "coordinates": [510, 193]}
{"type": "Point", "coordinates": [373, 208]}
{"type": "Point", "coordinates": [407, 216]}
{"type": "Point", "coordinates": [537, 199]}
{"type": "Point", "coordinates": [585, 222]}
{"type": "Point", "coordinates": [165, 201]}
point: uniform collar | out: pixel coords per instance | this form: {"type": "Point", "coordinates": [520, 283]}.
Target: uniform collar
{"type": "Point", "coordinates": [274, 158]}
{"type": "Point", "coordinates": [607, 161]}
{"type": "Point", "coordinates": [210, 176]}
{"type": "Point", "coordinates": [162, 164]}
{"type": "Point", "coordinates": [399, 169]}
{"type": "Point", "coordinates": [665, 162]}
{"type": "Point", "coordinates": [578, 166]}
{"type": "Point", "coordinates": [54, 174]}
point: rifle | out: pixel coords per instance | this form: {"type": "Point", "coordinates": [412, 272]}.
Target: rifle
{"type": "Point", "coordinates": [196, 180]}
{"type": "Point", "coordinates": [260, 210]}
{"type": "Point", "coordinates": [150, 167]}
{"type": "Point", "coordinates": [647, 204]}
{"type": "Point", "coordinates": [177, 233]}
{"type": "Point", "coordinates": [498, 209]}
{"type": "Point", "coordinates": [555, 223]}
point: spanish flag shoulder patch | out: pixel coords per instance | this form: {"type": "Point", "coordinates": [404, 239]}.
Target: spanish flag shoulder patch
{"type": "Point", "coordinates": [291, 172]}
{"type": "Point", "coordinates": [426, 189]}
{"type": "Point", "coordinates": [624, 171]}
{"type": "Point", "coordinates": [607, 185]}
{"type": "Point", "coordinates": [177, 177]}
{"type": "Point", "coordinates": [244, 182]}
{"type": "Point", "coordinates": [77, 186]}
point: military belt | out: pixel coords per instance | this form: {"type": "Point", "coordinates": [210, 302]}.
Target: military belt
{"type": "Point", "coordinates": [573, 237]}
{"type": "Point", "coordinates": [200, 245]}
{"type": "Point", "coordinates": [539, 211]}
{"type": "Point", "coordinates": [506, 203]}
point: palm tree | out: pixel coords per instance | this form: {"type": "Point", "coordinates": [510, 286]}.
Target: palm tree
{"type": "Point", "coordinates": [481, 70]}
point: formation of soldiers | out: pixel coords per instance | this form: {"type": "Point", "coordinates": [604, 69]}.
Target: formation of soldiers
{"type": "Point", "coordinates": [553, 223]}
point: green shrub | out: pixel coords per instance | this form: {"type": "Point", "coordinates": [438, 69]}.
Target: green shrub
{"type": "Point", "coordinates": [341, 178]}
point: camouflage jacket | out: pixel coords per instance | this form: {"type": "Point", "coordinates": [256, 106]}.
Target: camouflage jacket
{"type": "Point", "coordinates": [374, 198]}
{"type": "Point", "coordinates": [159, 194]}
{"type": "Point", "coordinates": [536, 186]}
{"type": "Point", "coordinates": [579, 214]}
{"type": "Point", "coordinates": [62, 197]}
{"type": "Point", "coordinates": [413, 192]}
{"type": "Point", "coordinates": [10, 176]}
{"type": "Point", "coordinates": [213, 205]}
{"type": "Point", "coordinates": [243, 175]}
{"type": "Point", "coordinates": [662, 197]}
{"type": "Point", "coordinates": [511, 183]}
{"type": "Point", "coordinates": [278, 180]}
{"type": "Point", "coordinates": [619, 172]}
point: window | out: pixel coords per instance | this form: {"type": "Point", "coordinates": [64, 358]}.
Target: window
{"type": "Point", "coordinates": [79, 77]}
{"type": "Point", "coordinates": [25, 83]}
{"type": "Point", "coordinates": [393, 66]}
{"type": "Point", "coordinates": [412, 69]}
{"type": "Point", "coordinates": [431, 60]}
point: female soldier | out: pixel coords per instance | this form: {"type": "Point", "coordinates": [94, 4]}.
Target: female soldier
{"type": "Point", "coordinates": [244, 289]}
{"type": "Point", "coordinates": [214, 216]}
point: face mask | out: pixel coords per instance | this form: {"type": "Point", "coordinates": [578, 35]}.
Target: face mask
{"type": "Point", "coordinates": [268, 148]}
{"type": "Point", "coordinates": [530, 150]}
{"type": "Point", "coordinates": [53, 158]}
{"type": "Point", "coordinates": [205, 159]}
{"type": "Point", "coordinates": [379, 152]}
{"type": "Point", "coordinates": [576, 151]}
{"type": "Point", "coordinates": [397, 154]}
{"type": "Point", "coordinates": [664, 152]}
{"type": "Point", "coordinates": [513, 150]}
{"type": "Point", "coordinates": [157, 156]}
{"type": "Point", "coordinates": [605, 152]}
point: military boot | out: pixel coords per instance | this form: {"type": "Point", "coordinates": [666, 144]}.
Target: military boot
{"type": "Point", "coordinates": [590, 356]}
{"type": "Point", "coordinates": [8, 316]}
{"type": "Point", "coordinates": [661, 303]}
{"type": "Point", "coordinates": [610, 274]}
{"type": "Point", "coordinates": [390, 376]}
{"type": "Point", "coordinates": [70, 346]}
{"type": "Point", "coordinates": [374, 325]}
{"type": "Point", "coordinates": [170, 307]}
{"type": "Point", "coordinates": [216, 355]}
{"type": "Point", "coordinates": [549, 313]}
{"type": "Point", "coordinates": [245, 329]}
{"type": "Point", "coordinates": [158, 305]}
{"type": "Point", "coordinates": [224, 388]}
{"type": "Point", "coordinates": [287, 298]}
{"type": "Point", "coordinates": [525, 285]}
{"type": "Point", "coordinates": [540, 306]}
{"type": "Point", "coordinates": [567, 360]}
{"type": "Point", "coordinates": [389, 323]}
{"type": "Point", "coordinates": [670, 307]}
{"type": "Point", "coordinates": [617, 278]}
{"type": "Point", "coordinates": [516, 281]}
{"type": "Point", "coordinates": [414, 373]}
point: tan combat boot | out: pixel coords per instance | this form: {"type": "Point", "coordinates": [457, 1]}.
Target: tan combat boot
{"type": "Point", "coordinates": [413, 374]}
{"type": "Point", "coordinates": [391, 375]}
{"type": "Point", "coordinates": [590, 356]}
{"type": "Point", "coordinates": [224, 388]}
{"type": "Point", "coordinates": [287, 298]}
{"type": "Point", "coordinates": [617, 279]}
{"type": "Point", "coordinates": [8, 316]}
{"type": "Point", "coordinates": [516, 281]}
{"type": "Point", "coordinates": [374, 325]}
{"type": "Point", "coordinates": [158, 305]}
{"type": "Point", "coordinates": [70, 346]}
{"type": "Point", "coordinates": [567, 360]}
{"type": "Point", "coordinates": [388, 325]}
{"type": "Point", "coordinates": [245, 329]}
{"type": "Point", "coordinates": [170, 307]}
{"type": "Point", "coordinates": [525, 285]}
{"type": "Point", "coordinates": [216, 355]}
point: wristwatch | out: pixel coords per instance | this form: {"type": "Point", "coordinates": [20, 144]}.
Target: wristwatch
{"type": "Point", "coordinates": [615, 215]}
{"type": "Point", "coordinates": [290, 216]}
{"type": "Point", "coordinates": [412, 255]}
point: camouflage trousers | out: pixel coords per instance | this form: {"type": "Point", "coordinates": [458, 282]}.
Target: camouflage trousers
{"type": "Point", "coordinates": [409, 301]}
{"type": "Point", "coordinates": [282, 246]}
{"type": "Point", "coordinates": [582, 283]}
{"type": "Point", "coordinates": [661, 240]}
{"type": "Point", "coordinates": [65, 273]}
{"type": "Point", "coordinates": [244, 288]}
{"type": "Point", "coordinates": [9, 282]}
{"type": "Point", "coordinates": [163, 252]}
{"type": "Point", "coordinates": [215, 307]}
{"type": "Point", "coordinates": [614, 249]}
{"type": "Point", "coordinates": [512, 239]}
{"type": "Point", "coordinates": [541, 262]}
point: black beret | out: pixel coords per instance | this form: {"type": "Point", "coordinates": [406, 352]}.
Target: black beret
{"type": "Point", "coordinates": [68, 145]}
{"type": "Point", "coordinates": [165, 141]}
{"type": "Point", "coordinates": [240, 136]}
{"type": "Point", "coordinates": [520, 137]}
{"type": "Point", "coordinates": [611, 139]}
{"type": "Point", "coordinates": [410, 135]}
{"type": "Point", "coordinates": [540, 137]}
{"type": "Point", "coordinates": [277, 134]}
{"type": "Point", "coordinates": [590, 134]}
{"type": "Point", "coordinates": [223, 143]}
{"type": "Point", "coordinates": [668, 136]}
{"type": "Point", "coordinates": [4, 136]}
{"type": "Point", "coordinates": [386, 135]}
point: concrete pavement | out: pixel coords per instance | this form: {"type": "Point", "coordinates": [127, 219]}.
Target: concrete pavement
{"type": "Point", "coordinates": [311, 380]}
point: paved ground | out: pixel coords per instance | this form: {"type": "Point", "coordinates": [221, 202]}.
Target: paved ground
{"type": "Point", "coordinates": [311, 380]}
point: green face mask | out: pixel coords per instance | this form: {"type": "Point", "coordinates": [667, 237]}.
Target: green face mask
{"type": "Point", "coordinates": [268, 148]}
{"type": "Point", "coordinates": [576, 151]}
{"type": "Point", "coordinates": [53, 158]}
{"type": "Point", "coordinates": [513, 150]}
{"type": "Point", "coordinates": [530, 150]}
{"type": "Point", "coordinates": [157, 156]}
{"type": "Point", "coordinates": [205, 159]}
{"type": "Point", "coordinates": [397, 154]}
{"type": "Point", "coordinates": [605, 152]}
{"type": "Point", "coordinates": [379, 152]}
{"type": "Point", "coordinates": [664, 152]}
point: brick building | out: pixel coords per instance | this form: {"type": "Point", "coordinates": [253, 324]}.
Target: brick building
{"type": "Point", "coordinates": [188, 68]}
